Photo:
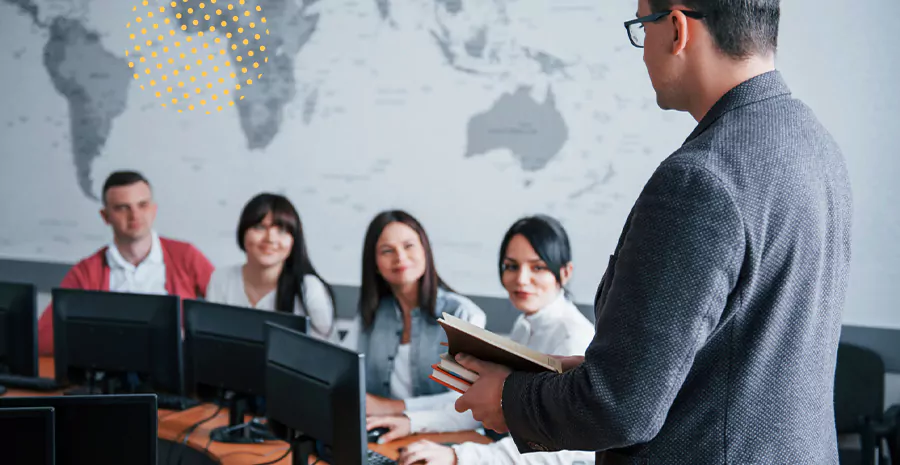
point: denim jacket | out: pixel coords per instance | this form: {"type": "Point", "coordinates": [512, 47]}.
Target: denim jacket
{"type": "Point", "coordinates": [380, 341]}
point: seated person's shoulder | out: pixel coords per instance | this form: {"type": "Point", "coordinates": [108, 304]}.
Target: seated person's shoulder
{"type": "Point", "coordinates": [178, 247]}
{"type": "Point", "coordinates": [87, 273]}
{"type": "Point", "coordinates": [462, 307]}
{"type": "Point", "coordinates": [312, 281]}
{"type": "Point", "coordinates": [185, 252]}
{"type": "Point", "coordinates": [229, 275]}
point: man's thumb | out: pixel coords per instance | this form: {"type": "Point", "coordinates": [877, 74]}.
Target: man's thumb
{"type": "Point", "coordinates": [469, 362]}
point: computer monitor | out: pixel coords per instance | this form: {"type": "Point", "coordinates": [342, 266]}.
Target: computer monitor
{"type": "Point", "coordinates": [316, 391]}
{"type": "Point", "coordinates": [224, 354]}
{"type": "Point", "coordinates": [26, 436]}
{"type": "Point", "coordinates": [18, 329]}
{"type": "Point", "coordinates": [100, 430]}
{"type": "Point", "coordinates": [134, 340]}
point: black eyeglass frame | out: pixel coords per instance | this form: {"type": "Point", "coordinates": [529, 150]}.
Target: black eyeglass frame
{"type": "Point", "coordinates": [654, 17]}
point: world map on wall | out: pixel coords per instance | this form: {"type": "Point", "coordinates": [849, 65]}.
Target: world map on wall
{"type": "Point", "coordinates": [467, 113]}
{"type": "Point", "coordinates": [95, 83]}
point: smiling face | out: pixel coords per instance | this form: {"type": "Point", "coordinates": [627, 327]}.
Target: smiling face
{"type": "Point", "coordinates": [267, 244]}
{"type": "Point", "coordinates": [530, 283]}
{"type": "Point", "coordinates": [399, 255]}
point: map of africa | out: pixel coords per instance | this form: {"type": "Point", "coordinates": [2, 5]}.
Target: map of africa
{"type": "Point", "coordinates": [493, 108]}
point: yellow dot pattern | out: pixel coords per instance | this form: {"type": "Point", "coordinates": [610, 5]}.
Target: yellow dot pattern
{"type": "Point", "coordinates": [160, 64]}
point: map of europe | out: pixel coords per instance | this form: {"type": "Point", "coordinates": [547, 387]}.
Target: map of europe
{"type": "Point", "coordinates": [95, 82]}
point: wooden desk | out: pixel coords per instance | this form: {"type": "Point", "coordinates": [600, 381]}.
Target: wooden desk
{"type": "Point", "coordinates": [173, 423]}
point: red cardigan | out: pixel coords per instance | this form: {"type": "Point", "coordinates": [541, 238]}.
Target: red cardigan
{"type": "Point", "coordinates": [187, 275]}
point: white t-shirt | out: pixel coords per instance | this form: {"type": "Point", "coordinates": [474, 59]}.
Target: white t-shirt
{"type": "Point", "coordinates": [226, 286]}
{"type": "Point", "coordinates": [401, 375]}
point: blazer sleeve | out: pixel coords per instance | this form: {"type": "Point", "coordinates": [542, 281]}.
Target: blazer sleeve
{"type": "Point", "coordinates": [677, 264]}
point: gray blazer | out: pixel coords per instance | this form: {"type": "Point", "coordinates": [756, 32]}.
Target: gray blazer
{"type": "Point", "coordinates": [719, 314]}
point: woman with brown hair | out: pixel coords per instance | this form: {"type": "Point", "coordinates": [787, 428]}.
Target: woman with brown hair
{"type": "Point", "coordinates": [401, 298]}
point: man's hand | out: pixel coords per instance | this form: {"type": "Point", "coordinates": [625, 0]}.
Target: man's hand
{"type": "Point", "coordinates": [483, 397]}
{"type": "Point", "coordinates": [427, 452]}
{"type": "Point", "coordinates": [398, 426]}
{"type": "Point", "coordinates": [569, 362]}
{"type": "Point", "coordinates": [380, 406]}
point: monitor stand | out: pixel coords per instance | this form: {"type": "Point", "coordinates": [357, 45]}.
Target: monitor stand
{"type": "Point", "coordinates": [110, 384]}
{"type": "Point", "coordinates": [5, 370]}
{"type": "Point", "coordinates": [238, 431]}
{"type": "Point", "coordinates": [301, 448]}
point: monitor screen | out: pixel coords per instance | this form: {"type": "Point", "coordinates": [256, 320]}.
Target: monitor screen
{"type": "Point", "coordinates": [119, 334]}
{"type": "Point", "coordinates": [26, 436]}
{"type": "Point", "coordinates": [330, 382]}
{"type": "Point", "coordinates": [18, 329]}
{"type": "Point", "coordinates": [100, 430]}
{"type": "Point", "coordinates": [224, 346]}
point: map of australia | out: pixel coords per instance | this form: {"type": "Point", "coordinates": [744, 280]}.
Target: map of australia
{"type": "Point", "coordinates": [534, 132]}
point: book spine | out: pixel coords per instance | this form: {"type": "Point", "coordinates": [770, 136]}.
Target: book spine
{"type": "Point", "coordinates": [446, 384]}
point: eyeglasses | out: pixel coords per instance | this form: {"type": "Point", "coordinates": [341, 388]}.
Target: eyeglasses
{"type": "Point", "coordinates": [635, 27]}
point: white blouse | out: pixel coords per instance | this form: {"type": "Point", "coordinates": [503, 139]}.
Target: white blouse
{"type": "Point", "coordinates": [226, 286]}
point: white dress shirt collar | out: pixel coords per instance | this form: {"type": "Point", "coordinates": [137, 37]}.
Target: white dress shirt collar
{"type": "Point", "coordinates": [116, 260]}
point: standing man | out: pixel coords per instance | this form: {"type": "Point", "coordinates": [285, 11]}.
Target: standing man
{"type": "Point", "coordinates": [137, 260]}
{"type": "Point", "coordinates": [719, 314]}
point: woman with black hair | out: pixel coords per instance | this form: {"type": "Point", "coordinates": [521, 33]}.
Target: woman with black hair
{"type": "Point", "coordinates": [401, 298]}
{"type": "Point", "coordinates": [278, 274]}
{"type": "Point", "coordinates": [535, 264]}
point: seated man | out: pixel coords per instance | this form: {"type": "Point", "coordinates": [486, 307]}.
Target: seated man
{"type": "Point", "coordinates": [137, 260]}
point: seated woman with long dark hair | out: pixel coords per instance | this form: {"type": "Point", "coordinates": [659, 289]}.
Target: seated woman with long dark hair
{"type": "Point", "coordinates": [535, 264]}
{"type": "Point", "coordinates": [401, 298]}
{"type": "Point", "coordinates": [278, 274]}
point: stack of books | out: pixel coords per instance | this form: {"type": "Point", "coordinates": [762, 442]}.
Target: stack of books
{"type": "Point", "coordinates": [464, 337]}
{"type": "Point", "coordinates": [453, 375]}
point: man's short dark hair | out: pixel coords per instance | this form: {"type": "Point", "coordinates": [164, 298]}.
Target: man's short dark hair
{"type": "Point", "coordinates": [122, 178]}
{"type": "Point", "coordinates": [740, 28]}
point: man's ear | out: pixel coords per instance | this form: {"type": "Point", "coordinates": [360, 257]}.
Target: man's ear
{"type": "Point", "coordinates": [104, 215]}
{"type": "Point", "coordinates": [565, 273]}
{"type": "Point", "coordinates": [680, 24]}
